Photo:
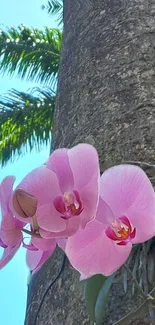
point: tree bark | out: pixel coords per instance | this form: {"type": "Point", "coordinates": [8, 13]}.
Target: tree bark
{"type": "Point", "coordinates": [106, 97]}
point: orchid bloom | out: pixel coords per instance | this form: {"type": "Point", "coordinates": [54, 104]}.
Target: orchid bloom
{"type": "Point", "coordinates": [125, 216]}
{"type": "Point", "coordinates": [38, 251]}
{"type": "Point", "coordinates": [66, 190]}
{"type": "Point", "coordinates": [10, 231]}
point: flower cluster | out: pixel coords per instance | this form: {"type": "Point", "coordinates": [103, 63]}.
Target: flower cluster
{"type": "Point", "coordinates": [94, 219]}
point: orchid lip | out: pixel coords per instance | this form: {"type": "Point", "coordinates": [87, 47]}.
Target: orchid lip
{"type": "Point", "coordinates": [121, 231]}
{"type": "Point", "coordinates": [69, 205]}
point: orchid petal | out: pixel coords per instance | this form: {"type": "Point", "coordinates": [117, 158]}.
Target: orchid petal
{"type": "Point", "coordinates": [19, 224]}
{"type": "Point", "coordinates": [59, 163]}
{"type": "Point", "coordinates": [6, 186]}
{"type": "Point", "coordinates": [11, 237]}
{"type": "Point", "coordinates": [8, 222]}
{"type": "Point", "coordinates": [61, 243]}
{"type": "Point", "coordinates": [128, 192]}
{"type": "Point", "coordinates": [45, 256]}
{"type": "Point", "coordinates": [89, 198]}
{"type": "Point", "coordinates": [72, 226]}
{"type": "Point", "coordinates": [5, 192]}
{"type": "Point", "coordinates": [42, 183]}
{"type": "Point", "coordinates": [33, 258]}
{"type": "Point", "coordinates": [50, 219]}
{"type": "Point", "coordinates": [91, 252]}
{"type": "Point", "coordinates": [8, 254]}
{"type": "Point", "coordinates": [43, 244]}
{"type": "Point", "coordinates": [104, 213]}
{"type": "Point", "coordinates": [83, 160]}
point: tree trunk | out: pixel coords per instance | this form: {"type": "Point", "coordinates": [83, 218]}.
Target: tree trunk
{"type": "Point", "coordinates": [106, 97]}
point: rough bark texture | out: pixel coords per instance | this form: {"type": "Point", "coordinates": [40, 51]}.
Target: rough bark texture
{"type": "Point", "coordinates": [106, 96]}
{"type": "Point", "coordinates": [64, 297]}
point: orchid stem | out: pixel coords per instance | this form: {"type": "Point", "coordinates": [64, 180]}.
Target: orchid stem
{"type": "Point", "coordinates": [31, 233]}
{"type": "Point", "coordinates": [35, 223]}
{"type": "Point", "coordinates": [135, 281]}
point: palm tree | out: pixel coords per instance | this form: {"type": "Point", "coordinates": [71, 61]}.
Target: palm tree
{"type": "Point", "coordinates": [26, 118]}
{"type": "Point", "coordinates": [106, 97]}
{"type": "Point", "coordinates": [26, 121]}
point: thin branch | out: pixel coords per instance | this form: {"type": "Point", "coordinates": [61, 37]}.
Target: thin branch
{"type": "Point", "coordinates": [138, 163]}
{"type": "Point", "coordinates": [135, 281]}
{"type": "Point", "coordinates": [152, 293]}
{"type": "Point", "coordinates": [140, 311]}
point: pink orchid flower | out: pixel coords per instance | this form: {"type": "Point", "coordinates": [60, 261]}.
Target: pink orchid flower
{"type": "Point", "coordinates": [125, 216]}
{"type": "Point", "coordinates": [10, 231]}
{"type": "Point", "coordinates": [66, 190]}
{"type": "Point", "coordinates": [38, 251]}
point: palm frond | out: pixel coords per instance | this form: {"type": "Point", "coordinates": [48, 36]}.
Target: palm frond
{"type": "Point", "coordinates": [25, 121]}
{"type": "Point", "coordinates": [30, 53]}
{"type": "Point", "coordinates": [55, 8]}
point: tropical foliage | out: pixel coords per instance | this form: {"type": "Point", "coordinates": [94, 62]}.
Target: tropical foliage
{"type": "Point", "coordinates": [30, 53]}
{"type": "Point", "coordinates": [55, 7]}
{"type": "Point", "coordinates": [26, 121]}
{"type": "Point", "coordinates": [26, 118]}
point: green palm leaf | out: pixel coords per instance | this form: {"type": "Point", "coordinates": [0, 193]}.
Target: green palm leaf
{"type": "Point", "coordinates": [25, 121]}
{"type": "Point", "coordinates": [55, 8]}
{"type": "Point", "coordinates": [30, 53]}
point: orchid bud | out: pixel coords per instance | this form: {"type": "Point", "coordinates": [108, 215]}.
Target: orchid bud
{"type": "Point", "coordinates": [24, 203]}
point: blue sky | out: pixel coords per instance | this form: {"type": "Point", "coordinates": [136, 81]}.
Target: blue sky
{"type": "Point", "coordinates": [13, 278]}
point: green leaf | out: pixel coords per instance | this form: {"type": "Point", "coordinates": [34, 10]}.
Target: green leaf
{"type": "Point", "coordinates": [55, 8]}
{"type": "Point", "coordinates": [25, 121]}
{"type": "Point", "coordinates": [30, 53]}
{"type": "Point", "coordinates": [92, 287]}
{"type": "Point", "coordinates": [102, 299]}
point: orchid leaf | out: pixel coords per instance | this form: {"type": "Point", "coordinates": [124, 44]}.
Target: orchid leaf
{"type": "Point", "coordinates": [102, 299]}
{"type": "Point", "coordinates": [92, 288]}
